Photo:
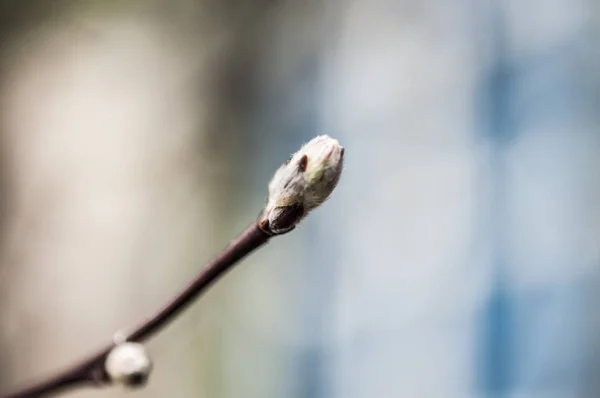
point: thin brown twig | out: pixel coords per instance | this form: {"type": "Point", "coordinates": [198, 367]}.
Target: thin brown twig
{"type": "Point", "coordinates": [301, 184]}
{"type": "Point", "coordinates": [90, 370]}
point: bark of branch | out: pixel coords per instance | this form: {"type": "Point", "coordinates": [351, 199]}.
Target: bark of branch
{"type": "Point", "coordinates": [90, 370]}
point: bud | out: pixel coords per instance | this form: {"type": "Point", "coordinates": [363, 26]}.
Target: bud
{"type": "Point", "coordinates": [128, 364]}
{"type": "Point", "coordinates": [302, 183]}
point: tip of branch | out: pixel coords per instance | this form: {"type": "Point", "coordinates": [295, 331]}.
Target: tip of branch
{"type": "Point", "coordinates": [302, 183]}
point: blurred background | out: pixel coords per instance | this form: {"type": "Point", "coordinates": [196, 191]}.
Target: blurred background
{"type": "Point", "coordinates": [459, 256]}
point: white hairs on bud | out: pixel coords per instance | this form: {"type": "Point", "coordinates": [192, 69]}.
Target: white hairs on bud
{"type": "Point", "coordinates": [128, 364]}
{"type": "Point", "coordinates": [302, 183]}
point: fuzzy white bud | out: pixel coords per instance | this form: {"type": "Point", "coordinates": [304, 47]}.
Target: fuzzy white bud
{"type": "Point", "coordinates": [302, 183]}
{"type": "Point", "coordinates": [128, 364]}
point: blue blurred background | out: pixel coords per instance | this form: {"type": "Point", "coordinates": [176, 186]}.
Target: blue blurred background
{"type": "Point", "coordinates": [459, 256]}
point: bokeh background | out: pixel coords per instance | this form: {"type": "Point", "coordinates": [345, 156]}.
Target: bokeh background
{"type": "Point", "coordinates": [459, 256]}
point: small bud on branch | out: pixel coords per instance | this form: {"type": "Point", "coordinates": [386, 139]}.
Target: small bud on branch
{"type": "Point", "coordinates": [128, 364]}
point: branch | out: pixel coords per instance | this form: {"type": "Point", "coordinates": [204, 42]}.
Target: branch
{"type": "Point", "coordinates": [90, 370]}
{"type": "Point", "coordinates": [302, 183]}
